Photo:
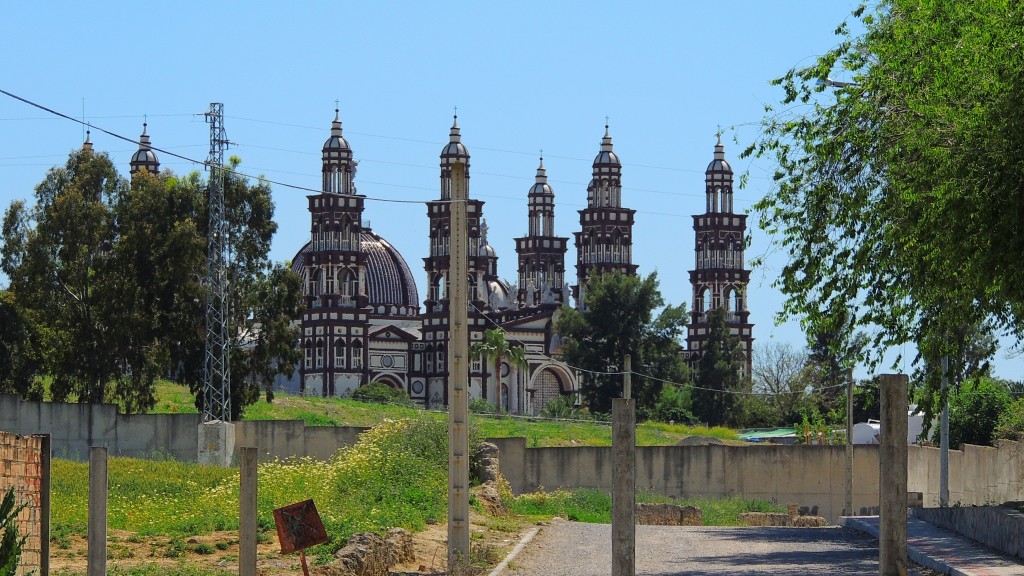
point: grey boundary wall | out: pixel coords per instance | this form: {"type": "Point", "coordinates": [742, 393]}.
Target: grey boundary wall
{"type": "Point", "coordinates": [812, 476]}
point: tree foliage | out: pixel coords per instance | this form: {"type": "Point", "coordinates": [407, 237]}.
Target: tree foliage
{"type": "Point", "coordinates": [618, 320]}
{"type": "Point", "coordinates": [975, 408]}
{"type": "Point", "coordinates": [495, 347]}
{"type": "Point", "coordinates": [719, 374]}
{"type": "Point", "coordinates": [106, 289]}
{"type": "Point", "coordinates": [898, 197]}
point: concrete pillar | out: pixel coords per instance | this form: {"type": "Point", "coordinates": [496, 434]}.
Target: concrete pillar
{"type": "Point", "coordinates": [623, 487]}
{"type": "Point", "coordinates": [458, 373]}
{"type": "Point", "coordinates": [216, 443]}
{"type": "Point", "coordinates": [97, 555]}
{"type": "Point", "coordinates": [892, 482]}
{"type": "Point", "coordinates": [44, 505]}
{"type": "Point", "coordinates": [247, 512]}
{"type": "Point", "coordinates": [848, 484]}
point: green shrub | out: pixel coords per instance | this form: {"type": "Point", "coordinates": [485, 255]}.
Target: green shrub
{"type": "Point", "coordinates": [380, 393]}
{"type": "Point", "coordinates": [672, 405]}
{"type": "Point", "coordinates": [1011, 422]}
{"type": "Point", "coordinates": [10, 542]}
{"type": "Point", "coordinates": [481, 406]}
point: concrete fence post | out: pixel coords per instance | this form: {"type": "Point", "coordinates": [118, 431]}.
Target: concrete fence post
{"type": "Point", "coordinates": [624, 487]}
{"type": "Point", "coordinates": [247, 492]}
{"type": "Point", "coordinates": [892, 515]}
{"type": "Point", "coordinates": [97, 554]}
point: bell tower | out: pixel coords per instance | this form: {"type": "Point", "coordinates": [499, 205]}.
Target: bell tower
{"type": "Point", "coordinates": [438, 266]}
{"type": "Point", "coordinates": [719, 278]}
{"type": "Point", "coordinates": [336, 321]}
{"type": "Point", "coordinates": [605, 240]}
{"type": "Point", "coordinates": [541, 253]}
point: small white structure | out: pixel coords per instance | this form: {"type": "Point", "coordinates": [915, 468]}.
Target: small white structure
{"type": "Point", "coordinates": [868, 432]}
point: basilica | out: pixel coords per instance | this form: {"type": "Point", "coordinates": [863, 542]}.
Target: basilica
{"type": "Point", "coordinates": [363, 318]}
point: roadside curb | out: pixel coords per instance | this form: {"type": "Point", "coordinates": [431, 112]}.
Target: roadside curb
{"type": "Point", "coordinates": [912, 551]}
{"type": "Point", "coordinates": [515, 551]}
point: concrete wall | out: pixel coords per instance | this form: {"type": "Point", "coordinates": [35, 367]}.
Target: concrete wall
{"type": "Point", "coordinates": [75, 427]}
{"type": "Point", "coordinates": [25, 466]}
{"type": "Point", "coordinates": [811, 476]}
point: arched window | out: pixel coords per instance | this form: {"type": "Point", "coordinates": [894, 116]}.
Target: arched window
{"type": "Point", "coordinates": [357, 354]}
{"type": "Point", "coordinates": [308, 347]}
{"type": "Point", "coordinates": [329, 284]}
{"type": "Point", "coordinates": [727, 300]}
{"type": "Point", "coordinates": [705, 300]}
{"type": "Point", "coordinates": [339, 353]}
{"type": "Point", "coordinates": [319, 353]}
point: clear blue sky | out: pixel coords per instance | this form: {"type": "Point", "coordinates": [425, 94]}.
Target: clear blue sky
{"type": "Point", "coordinates": [525, 76]}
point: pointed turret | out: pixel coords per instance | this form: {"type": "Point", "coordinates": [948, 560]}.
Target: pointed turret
{"type": "Point", "coordinates": [339, 169]}
{"type": "Point", "coordinates": [87, 145]}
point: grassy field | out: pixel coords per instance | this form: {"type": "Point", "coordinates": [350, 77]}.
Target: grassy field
{"type": "Point", "coordinates": [175, 398]}
{"type": "Point", "coordinates": [175, 518]}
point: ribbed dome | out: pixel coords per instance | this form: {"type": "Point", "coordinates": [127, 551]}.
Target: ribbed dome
{"type": "Point", "coordinates": [455, 149]}
{"type": "Point", "coordinates": [719, 164]}
{"type": "Point", "coordinates": [389, 282]}
{"type": "Point", "coordinates": [606, 155]}
{"type": "Point", "coordinates": [541, 186]}
{"type": "Point", "coordinates": [336, 145]}
{"type": "Point", "coordinates": [144, 157]}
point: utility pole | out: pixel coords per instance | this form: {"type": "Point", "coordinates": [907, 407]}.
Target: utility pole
{"type": "Point", "coordinates": [944, 437]}
{"type": "Point", "coordinates": [458, 372]}
{"type": "Point", "coordinates": [216, 372]}
{"type": "Point", "coordinates": [848, 508]}
{"type": "Point", "coordinates": [624, 477]}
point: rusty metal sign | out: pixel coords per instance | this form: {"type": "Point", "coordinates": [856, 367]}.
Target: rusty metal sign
{"type": "Point", "coordinates": [299, 526]}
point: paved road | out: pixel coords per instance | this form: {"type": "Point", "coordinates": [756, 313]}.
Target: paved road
{"type": "Point", "coordinates": [575, 549]}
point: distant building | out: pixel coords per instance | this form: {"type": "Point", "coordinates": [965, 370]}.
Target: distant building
{"type": "Point", "coordinates": [719, 278]}
{"type": "Point", "coordinates": [363, 320]}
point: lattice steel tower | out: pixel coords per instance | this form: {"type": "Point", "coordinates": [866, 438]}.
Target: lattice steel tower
{"type": "Point", "coordinates": [217, 369]}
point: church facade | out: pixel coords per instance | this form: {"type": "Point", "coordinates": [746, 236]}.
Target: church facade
{"type": "Point", "coordinates": [363, 321]}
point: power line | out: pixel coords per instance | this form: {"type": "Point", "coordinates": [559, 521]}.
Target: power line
{"type": "Point", "coordinates": [193, 160]}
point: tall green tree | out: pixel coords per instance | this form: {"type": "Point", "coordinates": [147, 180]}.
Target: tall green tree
{"type": "Point", "coordinates": [719, 374]}
{"type": "Point", "coordinates": [56, 255]}
{"type": "Point", "coordinates": [106, 279]}
{"type": "Point", "coordinates": [494, 347]}
{"type": "Point", "coordinates": [619, 319]}
{"type": "Point", "coordinates": [898, 195]}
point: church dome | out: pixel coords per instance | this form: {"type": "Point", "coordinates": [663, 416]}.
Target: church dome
{"type": "Point", "coordinates": [541, 187]}
{"type": "Point", "coordinates": [606, 155]}
{"type": "Point", "coordinates": [455, 149]}
{"type": "Point", "coordinates": [389, 282]}
{"type": "Point", "coordinates": [719, 164]}
{"type": "Point", "coordinates": [144, 157]}
{"type": "Point", "coordinates": [336, 147]}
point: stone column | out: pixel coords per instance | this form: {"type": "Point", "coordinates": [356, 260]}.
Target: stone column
{"type": "Point", "coordinates": [892, 529]}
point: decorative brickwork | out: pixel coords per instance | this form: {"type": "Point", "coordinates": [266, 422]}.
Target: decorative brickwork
{"type": "Point", "coordinates": [25, 465]}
